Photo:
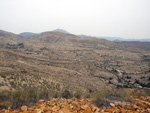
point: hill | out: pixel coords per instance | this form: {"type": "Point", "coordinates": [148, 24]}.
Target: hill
{"type": "Point", "coordinates": [28, 34]}
{"type": "Point", "coordinates": [136, 44]}
{"type": "Point", "coordinates": [116, 39]}
{"type": "Point", "coordinates": [61, 31]}
{"type": "Point", "coordinates": [60, 61]}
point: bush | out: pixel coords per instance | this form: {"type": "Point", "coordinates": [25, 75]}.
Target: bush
{"type": "Point", "coordinates": [25, 97]}
{"type": "Point", "coordinates": [137, 81]}
{"type": "Point", "coordinates": [18, 103]}
{"type": "Point", "coordinates": [78, 94]}
{"type": "Point", "coordinates": [44, 94]}
{"type": "Point", "coordinates": [142, 84]}
{"type": "Point", "coordinates": [106, 96]}
{"type": "Point", "coordinates": [23, 71]}
{"type": "Point", "coordinates": [128, 77]}
{"type": "Point", "coordinates": [141, 93]}
{"type": "Point", "coordinates": [66, 94]}
{"type": "Point", "coordinates": [102, 102]}
{"type": "Point", "coordinates": [5, 96]}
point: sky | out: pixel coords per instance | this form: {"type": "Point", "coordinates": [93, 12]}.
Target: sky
{"type": "Point", "coordinates": [116, 18]}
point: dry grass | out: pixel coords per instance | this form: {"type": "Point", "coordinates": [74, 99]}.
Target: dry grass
{"type": "Point", "coordinates": [106, 96]}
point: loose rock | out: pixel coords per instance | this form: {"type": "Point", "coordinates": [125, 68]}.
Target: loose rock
{"type": "Point", "coordinates": [24, 108]}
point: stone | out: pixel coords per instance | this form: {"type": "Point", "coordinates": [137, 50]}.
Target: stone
{"type": "Point", "coordinates": [41, 100]}
{"type": "Point", "coordinates": [37, 111]}
{"type": "Point", "coordinates": [24, 108]}
{"type": "Point", "coordinates": [148, 109]}
{"type": "Point", "coordinates": [94, 109]}
{"type": "Point", "coordinates": [88, 110]}
{"type": "Point", "coordinates": [26, 112]}
{"type": "Point", "coordinates": [84, 107]}
{"type": "Point", "coordinates": [42, 108]}
{"type": "Point", "coordinates": [123, 104]}
{"type": "Point", "coordinates": [6, 111]}
{"type": "Point", "coordinates": [56, 108]}
{"type": "Point", "coordinates": [61, 111]}
{"type": "Point", "coordinates": [135, 106]}
{"type": "Point", "coordinates": [113, 105]}
{"type": "Point", "coordinates": [116, 103]}
{"type": "Point", "coordinates": [65, 110]}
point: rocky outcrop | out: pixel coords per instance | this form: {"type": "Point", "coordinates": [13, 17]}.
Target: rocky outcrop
{"type": "Point", "coordinates": [142, 105]}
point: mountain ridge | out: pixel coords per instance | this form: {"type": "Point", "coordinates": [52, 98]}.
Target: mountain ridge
{"type": "Point", "coordinates": [29, 34]}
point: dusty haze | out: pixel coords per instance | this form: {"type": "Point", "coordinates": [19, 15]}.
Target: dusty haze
{"type": "Point", "coordinates": [116, 18]}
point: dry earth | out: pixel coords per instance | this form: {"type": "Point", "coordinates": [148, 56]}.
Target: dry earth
{"type": "Point", "coordinates": [58, 61]}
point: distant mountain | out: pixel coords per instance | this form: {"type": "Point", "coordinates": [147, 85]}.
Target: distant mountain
{"type": "Point", "coordinates": [141, 40]}
{"type": "Point", "coordinates": [28, 34]}
{"type": "Point", "coordinates": [115, 39]}
{"type": "Point", "coordinates": [110, 38]}
{"type": "Point", "coordinates": [103, 37]}
{"type": "Point", "coordinates": [61, 30]}
{"type": "Point", "coordinates": [83, 36]}
{"type": "Point", "coordinates": [118, 39]}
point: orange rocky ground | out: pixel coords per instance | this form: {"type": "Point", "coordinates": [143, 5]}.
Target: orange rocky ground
{"type": "Point", "coordinates": [142, 105]}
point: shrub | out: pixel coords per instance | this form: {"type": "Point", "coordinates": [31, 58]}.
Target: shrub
{"type": "Point", "coordinates": [66, 94]}
{"type": "Point", "coordinates": [102, 102]}
{"type": "Point", "coordinates": [18, 103]}
{"type": "Point", "coordinates": [142, 84]}
{"type": "Point", "coordinates": [26, 96]}
{"type": "Point", "coordinates": [105, 96]}
{"type": "Point", "coordinates": [110, 78]}
{"type": "Point", "coordinates": [23, 71]}
{"type": "Point", "coordinates": [128, 77]}
{"type": "Point", "coordinates": [110, 82]}
{"type": "Point", "coordinates": [78, 94]}
{"type": "Point", "coordinates": [140, 93]}
{"type": "Point", "coordinates": [4, 96]}
{"type": "Point", "coordinates": [137, 81]}
{"type": "Point", "coordinates": [44, 94]}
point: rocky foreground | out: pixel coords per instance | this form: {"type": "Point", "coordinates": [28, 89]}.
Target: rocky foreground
{"type": "Point", "coordinates": [141, 105]}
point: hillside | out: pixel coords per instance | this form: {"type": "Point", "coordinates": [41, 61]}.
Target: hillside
{"type": "Point", "coordinates": [136, 44]}
{"type": "Point", "coordinates": [58, 61]}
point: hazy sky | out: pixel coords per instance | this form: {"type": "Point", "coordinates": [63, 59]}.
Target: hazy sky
{"type": "Point", "coordinates": [116, 18]}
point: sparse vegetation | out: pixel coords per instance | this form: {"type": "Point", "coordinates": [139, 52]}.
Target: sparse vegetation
{"type": "Point", "coordinates": [78, 94]}
{"type": "Point", "coordinates": [106, 96]}
{"type": "Point", "coordinates": [101, 98]}
{"type": "Point", "coordinates": [66, 94]}
{"type": "Point", "coordinates": [57, 65]}
{"type": "Point", "coordinates": [26, 97]}
{"type": "Point", "coordinates": [128, 77]}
